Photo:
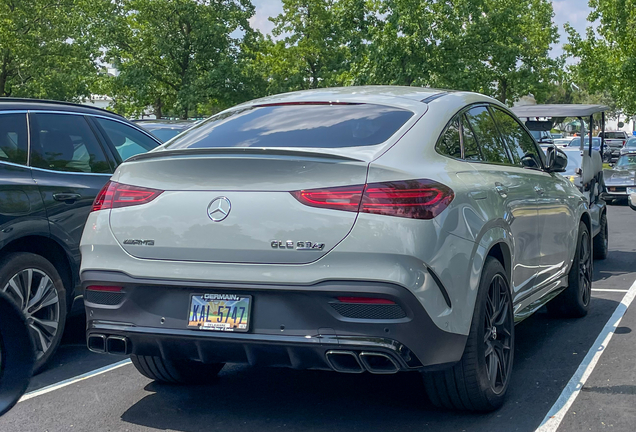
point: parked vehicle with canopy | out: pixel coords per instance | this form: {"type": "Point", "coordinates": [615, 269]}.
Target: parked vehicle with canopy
{"type": "Point", "coordinates": [592, 183]}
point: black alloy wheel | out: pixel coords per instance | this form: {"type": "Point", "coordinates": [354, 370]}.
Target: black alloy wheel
{"type": "Point", "coordinates": [480, 380]}
{"type": "Point", "coordinates": [575, 300]}
{"type": "Point", "coordinates": [498, 324]}
{"type": "Point", "coordinates": [585, 268]}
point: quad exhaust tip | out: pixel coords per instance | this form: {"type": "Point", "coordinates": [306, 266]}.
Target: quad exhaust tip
{"type": "Point", "coordinates": [351, 362]}
{"type": "Point", "coordinates": [100, 343]}
{"type": "Point", "coordinates": [379, 363]}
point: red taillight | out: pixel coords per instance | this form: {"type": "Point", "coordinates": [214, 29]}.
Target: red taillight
{"type": "Point", "coordinates": [624, 143]}
{"type": "Point", "coordinates": [417, 199]}
{"type": "Point", "coordinates": [338, 198]}
{"type": "Point", "coordinates": [364, 300]}
{"type": "Point", "coordinates": [104, 288]}
{"type": "Point", "coordinates": [116, 195]}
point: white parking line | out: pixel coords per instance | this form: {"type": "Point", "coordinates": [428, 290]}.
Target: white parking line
{"type": "Point", "coordinates": [609, 290]}
{"type": "Point", "coordinates": [560, 408]}
{"type": "Point", "coordinates": [68, 382]}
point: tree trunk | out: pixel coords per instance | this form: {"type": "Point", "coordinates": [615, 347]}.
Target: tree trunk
{"type": "Point", "coordinates": [157, 108]}
{"type": "Point", "coordinates": [503, 90]}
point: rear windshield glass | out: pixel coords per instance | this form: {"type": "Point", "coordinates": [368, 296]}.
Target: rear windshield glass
{"type": "Point", "coordinates": [311, 125]}
{"type": "Point", "coordinates": [614, 135]}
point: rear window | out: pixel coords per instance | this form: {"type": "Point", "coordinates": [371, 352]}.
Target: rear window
{"type": "Point", "coordinates": [300, 125]}
{"type": "Point", "coordinates": [614, 135]}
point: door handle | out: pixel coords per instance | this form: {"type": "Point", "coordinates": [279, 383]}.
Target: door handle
{"type": "Point", "coordinates": [501, 189]}
{"type": "Point", "coordinates": [539, 190]}
{"type": "Point", "coordinates": [68, 198]}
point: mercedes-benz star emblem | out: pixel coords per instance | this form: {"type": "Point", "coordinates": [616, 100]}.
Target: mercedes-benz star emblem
{"type": "Point", "coordinates": [219, 208]}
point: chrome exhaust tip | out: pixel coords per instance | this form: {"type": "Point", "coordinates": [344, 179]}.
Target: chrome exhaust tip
{"type": "Point", "coordinates": [344, 361]}
{"type": "Point", "coordinates": [117, 345]}
{"type": "Point", "coordinates": [379, 363]}
{"type": "Point", "coordinates": [97, 343]}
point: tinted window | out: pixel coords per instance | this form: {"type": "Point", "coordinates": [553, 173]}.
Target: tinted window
{"type": "Point", "coordinates": [488, 138]}
{"type": "Point", "coordinates": [323, 126]}
{"type": "Point", "coordinates": [614, 135]}
{"type": "Point", "coordinates": [631, 142]}
{"type": "Point", "coordinates": [471, 149]}
{"type": "Point", "coordinates": [127, 140]}
{"type": "Point", "coordinates": [65, 142]}
{"type": "Point", "coordinates": [524, 151]}
{"type": "Point", "coordinates": [13, 138]}
{"type": "Point", "coordinates": [165, 134]}
{"type": "Point", "coordinates": [449, 143]}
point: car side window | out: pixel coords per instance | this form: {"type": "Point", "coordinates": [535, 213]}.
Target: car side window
{"type": "Point", "coordinates": [523, 149]}
{"type": "Point", "coordinates": [13, 138]}
{"type": "Point", "coordinates": [65, 142]}
{"type": "Point", "coordinates": [127, 140]}
{"type": "Point", "coordinates": [449, 143]}
{"type": "Point", "coordinates": [488, 139]}
{"type": "Point", "coordinates": [472, 152]}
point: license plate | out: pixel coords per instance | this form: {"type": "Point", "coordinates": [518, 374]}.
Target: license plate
{"type": "Point", "coordinates": [219, 312]}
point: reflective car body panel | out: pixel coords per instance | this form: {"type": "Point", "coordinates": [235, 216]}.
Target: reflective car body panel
{"type": "Point", "coordinates": [622, 176]}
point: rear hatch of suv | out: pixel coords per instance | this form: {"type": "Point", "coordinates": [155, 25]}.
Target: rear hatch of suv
{"type": "Point", "coordinates": [228, 190]}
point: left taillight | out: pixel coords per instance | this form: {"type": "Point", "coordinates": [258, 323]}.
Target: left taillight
{"type": "Point", "coordinates": [117, 195]}
{"type": "Point", "coordinates": [416, 199]}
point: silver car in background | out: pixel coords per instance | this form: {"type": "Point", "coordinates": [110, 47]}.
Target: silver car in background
{"type": "Point", "coordinates": [377, 229]}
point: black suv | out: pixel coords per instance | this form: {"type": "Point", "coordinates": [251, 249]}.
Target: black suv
{"type": "Point", "coordinates": [54, 158]}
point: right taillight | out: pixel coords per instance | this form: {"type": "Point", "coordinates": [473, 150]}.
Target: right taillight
{"type": "Point", "coordinates": [417, 199]}
{"type": "Point", "coordinates": [117, 195]}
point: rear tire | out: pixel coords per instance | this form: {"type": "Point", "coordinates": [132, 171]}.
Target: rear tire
{"type": "Point", "coordinates": [601, 241]}
{"type": "Point", "coordinates": [35, 286]}
{"type": "Point", "coordinates": [574, 302]}
{"type": "Point", "coordinates": [480, 380]}
{"type": "Point", "coordinates": [169, 371]}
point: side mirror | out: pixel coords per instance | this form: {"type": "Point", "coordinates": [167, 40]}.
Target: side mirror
{"type": "Point", "coordinates": [631, 197]}
{"type": "Point", "coordinates": [556, 160]}
{"type": "Point", "coordinates": [17, 355]}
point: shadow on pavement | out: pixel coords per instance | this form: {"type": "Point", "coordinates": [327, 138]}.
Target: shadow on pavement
{"type": "Point", "coordinates": [72, 357]}
{"type": "Point", "coordinates": [617, 263]}
{"type": "Point", "coordinates": [247, 399]}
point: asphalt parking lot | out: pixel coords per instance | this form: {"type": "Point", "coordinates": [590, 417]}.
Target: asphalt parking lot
{"type": "Point", "coordinates": [549, 352]}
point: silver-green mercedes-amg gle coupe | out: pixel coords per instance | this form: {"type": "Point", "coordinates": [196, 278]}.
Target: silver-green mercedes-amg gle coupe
{"type": "Point", "coordinates": [377, 229]}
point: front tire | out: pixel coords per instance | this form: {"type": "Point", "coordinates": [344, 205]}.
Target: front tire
{"type": "Point", "coordinates": [169, 371]}
{"type": "Point", "coordinates": [574, 302]}
{"type": "Point", "coordinates": [480, 380]}
{"type": "Point", "coordinates": [34, 284]}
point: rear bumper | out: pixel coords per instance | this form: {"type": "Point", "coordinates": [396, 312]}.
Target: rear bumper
{"type": "Point", "coordinates": [293, 326]}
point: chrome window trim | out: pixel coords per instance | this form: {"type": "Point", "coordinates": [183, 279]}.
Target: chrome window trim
{"type": "Point", "coordinates": [68, 172]}
{"type": "Point", "coordinates": [14, 164]}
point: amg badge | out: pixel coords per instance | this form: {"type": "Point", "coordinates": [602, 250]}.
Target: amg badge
{"type": "Point", "coordinates": [139, 242]}
{"type": "Point", "coordinates": [301, 245]}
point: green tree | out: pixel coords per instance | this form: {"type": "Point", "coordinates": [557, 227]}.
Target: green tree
{"type": "Point", "coordinates": [182, 57]}
{"type": "Point", "coordinates": [49, 48]}
{"type": "Point", "coordinates": [319, 42]}
{"type": "Point", "coordinates": [497, 47]}
{"type": "Point", "coordinates": [608, 54]}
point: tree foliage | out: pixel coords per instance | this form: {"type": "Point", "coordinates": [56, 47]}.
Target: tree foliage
{"type": "Point", "coordinates": [608, 54]}
{"type": "Point", "coordinates": [178, 55]}
{"type": "Point", "coordinates": [49, 48]}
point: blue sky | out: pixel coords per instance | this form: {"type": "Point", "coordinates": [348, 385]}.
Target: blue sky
{"type": "Point", "coordinates": [573, 11]}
